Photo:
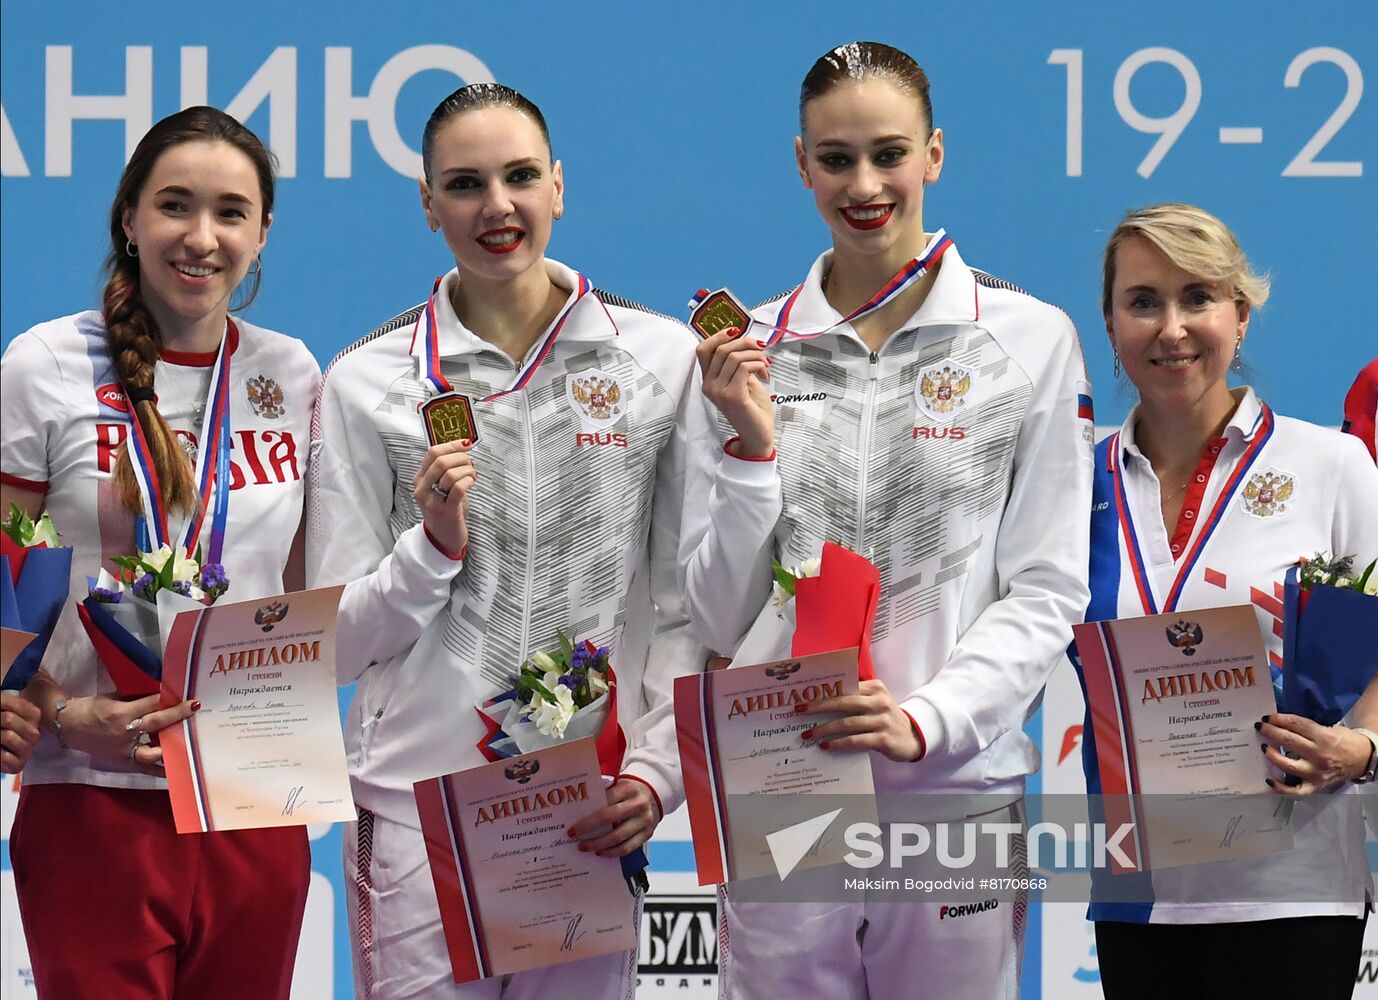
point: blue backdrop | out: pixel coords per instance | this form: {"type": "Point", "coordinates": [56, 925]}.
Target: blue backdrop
{"type": "Point", "coordinates": [675, 125]}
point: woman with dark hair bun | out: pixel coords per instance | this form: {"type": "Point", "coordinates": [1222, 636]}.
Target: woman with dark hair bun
{"type": "Point", "coordinates": [115, 902]}
{"type": "Point", "coordinates": [464, 557]}
{"type": "Point", "coordinates": [936, 420]}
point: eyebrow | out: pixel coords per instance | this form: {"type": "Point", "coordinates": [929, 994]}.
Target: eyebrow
{"type": "Point", "coordinates": [882, 141]}
{"type": "Point", "coordinates": [524, 161]}
{"type": "Point", "coordinates": [188, 193]}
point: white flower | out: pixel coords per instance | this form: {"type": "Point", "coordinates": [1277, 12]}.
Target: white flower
{"type": "Point", "coordinates": [1344, 582]}
{"type": "Point", "coordinates": [1323, 577]}
{"type": "Point", "coordinates": [551, 718]}
{"type": "Point", "coordinates": [779, 596]}
{"type": "Point", "coordinates": [184, 567]}
{"type": "Point", "coordinates": [809, 567]}
{"type": "Point", "coordinates": [1371, 588]}
{"type": "Point", "coordinates": [544, 662]}
{"type": "Point", "coordinates": [598, 684]}
{"type": "Point", "coordinates": [158, 558]}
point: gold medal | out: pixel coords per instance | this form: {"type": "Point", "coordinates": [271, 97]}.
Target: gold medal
{"type": "Point", "coordinates": [449, 417]}
{"type": "Point", "coordinates": [720, 310]}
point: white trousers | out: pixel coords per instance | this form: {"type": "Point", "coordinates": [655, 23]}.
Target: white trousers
{"type": "Point", "coordinates": [399, 946]}
{"type": "Point", "coordinates": [927, 948]}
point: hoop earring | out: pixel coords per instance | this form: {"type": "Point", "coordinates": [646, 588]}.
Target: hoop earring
{"type": "Point", "coordinates": [255, 266]}
{"type": "Point", "coordinates": [1237, 364]}
{"type": "Point", "coordinates": [131, 249]}
{"type": "Point", "coordinates": [1117, 364]}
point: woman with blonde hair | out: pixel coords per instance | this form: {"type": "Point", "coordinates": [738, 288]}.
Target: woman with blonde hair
{"type": "Point", "coordinates": [1219, 496]}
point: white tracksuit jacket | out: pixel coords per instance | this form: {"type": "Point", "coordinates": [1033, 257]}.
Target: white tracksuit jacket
{"type": "Point", "coordinates": [573, 525]}
{"type": "Point", "coordinates": [958, 459]}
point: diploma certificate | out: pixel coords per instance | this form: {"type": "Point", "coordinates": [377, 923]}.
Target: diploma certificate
{"type": "Point", "coordinates": [265, 749]}
{"type": "Point", "coordinates": [514, 890]}
{"type": "Point", "coordinates": [1173, 702]}
{"type": "Point", "coordinates": [739, 739]}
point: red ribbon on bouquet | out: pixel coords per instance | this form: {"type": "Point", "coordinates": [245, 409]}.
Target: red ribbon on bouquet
{"type": "Point", "coordinates": [837, 608]}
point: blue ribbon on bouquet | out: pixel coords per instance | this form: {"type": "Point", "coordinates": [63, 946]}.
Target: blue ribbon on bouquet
{"type": "Point", "coordinates": [33, 603]}
{"type": "Point", "coordinates": [1330, 651]}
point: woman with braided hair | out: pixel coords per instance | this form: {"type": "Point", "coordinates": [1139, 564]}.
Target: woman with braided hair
{"type": "Point", "coordinates": [115, 903]}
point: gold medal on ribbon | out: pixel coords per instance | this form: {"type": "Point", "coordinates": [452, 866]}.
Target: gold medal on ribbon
{"type": "Point", "coordinates": [720, 310]}
{"type": "Point", "coordinates": [449, 417]}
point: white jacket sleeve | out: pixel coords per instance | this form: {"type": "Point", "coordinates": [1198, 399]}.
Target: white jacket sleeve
{"type": "Point", "coordinates": [1001, 663]}
{"type": "Point", "coordinates": [393, 590]}
{"type": "Point", "coordinates": [731, 509]}
{"type": "Point", "coordinates": [652, 750]}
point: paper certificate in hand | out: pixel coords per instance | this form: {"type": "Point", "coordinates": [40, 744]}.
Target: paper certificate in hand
{"type": "Point", "coordinates": [265, 749]}
{"type": "Point", "coordinates": [514, 890]}
{"type": "Point", "coordinates": [1173, 701]}
{"type": "Point", "coordinates": [740, 742]}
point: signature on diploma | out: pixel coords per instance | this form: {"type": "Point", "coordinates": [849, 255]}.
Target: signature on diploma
{"type": "Point", "coordinates": [1232, 830]}
{"type": "Point", "coordinates": [294, 798]}
{"type": "Point", "coordinates": [572, 932]}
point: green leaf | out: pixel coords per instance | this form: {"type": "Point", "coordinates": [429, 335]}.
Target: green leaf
{"type": "Point", "coordinates": [20, 525]}
{"type": "Point", "coordinates": [165, 578]}
{"type": "Point", "coordinates": [1362, 582]}
{"type": "Point", "coordinates": [566, 651]}
{"type": "Point", "coordinates": [46, 532]}
{"type": "Point", "coordinates": [783, 577]}
{"type": "Point", "coordinates": [526, 684]}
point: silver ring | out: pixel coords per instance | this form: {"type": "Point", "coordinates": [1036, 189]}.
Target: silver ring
{"type": "Point", "coordinates": [133, 748]}
{"type": "Point", "coordinates": [135, 725]}
{"type": "Point", "coordinates": [443, 494]}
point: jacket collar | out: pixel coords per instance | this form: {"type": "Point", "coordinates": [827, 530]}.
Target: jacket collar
{"type": "Point", "coordinates": [1244, 425]}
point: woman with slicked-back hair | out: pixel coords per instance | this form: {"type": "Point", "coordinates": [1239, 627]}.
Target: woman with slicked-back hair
{"type": "Point", "coordinates": [115, 903]}
{"type": "Point", "coordinates": [936, 420]}
{"type": "Point", "coordinates": [463, 555]}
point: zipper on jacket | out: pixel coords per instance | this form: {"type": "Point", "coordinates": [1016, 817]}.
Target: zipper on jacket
{"type": "Point", "coordinates": [530, 442]}
{"type": "Point", "coordinates": [864, 457]}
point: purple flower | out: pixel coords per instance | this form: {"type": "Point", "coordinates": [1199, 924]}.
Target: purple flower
{"type": "Point", "coordinates": [182, 587]}
{"type": "Point", "coordinates": [581, 655]}
{"type": "Point", "coordinates": [107, 596]}
{"type": "Point", "coordinates": [570, 681]}
{"type": "Point", "coordinates": [145, 585]}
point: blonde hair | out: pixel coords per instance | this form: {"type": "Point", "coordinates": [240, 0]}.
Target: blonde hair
{"type": "Point", "coordinates": [1193, 240]}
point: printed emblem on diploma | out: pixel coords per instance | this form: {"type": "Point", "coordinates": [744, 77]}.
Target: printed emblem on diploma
{"type": "Point", "coordinates": [740, 739]}
{"type": "Point", "coordinates": [1173, 701]}
{"type": "Point", "coordinates": [266, 747]}
{"type": "Point", "coordinates": [449, 417]}
{"type": "Point", "coordinates": [515, 892]}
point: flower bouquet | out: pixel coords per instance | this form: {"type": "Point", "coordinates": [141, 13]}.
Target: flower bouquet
{"type": "Point", "coordinates": [564, 694]}
{"type": "Point", "coordinates": [825, 604]}
{"type": "Point", "coordinates": [35, 570]}
{"type": "Point", "coordinates": [1330, 637]}
{"type": "Point", "coordinates": [129, 614]}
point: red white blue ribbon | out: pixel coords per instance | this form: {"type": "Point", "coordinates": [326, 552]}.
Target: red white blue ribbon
{"type": "Point", "coordinates": [892, 289]}
{"type": "Point", "coordinates": [1143, 580]}
{"type": "Point", "coordinates": [212, 469]}
{"type": "Point", "coordinates": [425, 344]}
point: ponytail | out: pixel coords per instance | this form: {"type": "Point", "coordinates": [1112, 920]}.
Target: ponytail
{"type": "Point", "coordinates": [131, 336]}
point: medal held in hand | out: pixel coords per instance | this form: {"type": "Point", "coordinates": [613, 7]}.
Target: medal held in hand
{"type": "Point", "coordinates": [449, 417]}
{"type": "Point", "coordinates": [713, 312]}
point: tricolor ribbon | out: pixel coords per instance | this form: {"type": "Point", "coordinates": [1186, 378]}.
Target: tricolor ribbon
{"type": "Point", "coordinates": [1143, 581]}
{"type": "Point", "coordinates": [892, 289]}
{"type": "Point", "coordinates": [425, 344]}
{"type": "Point", "coordinates": [212, 468]}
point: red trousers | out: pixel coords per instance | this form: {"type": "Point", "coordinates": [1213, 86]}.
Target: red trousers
{"type": "Point", "coordinates": [117, 904]}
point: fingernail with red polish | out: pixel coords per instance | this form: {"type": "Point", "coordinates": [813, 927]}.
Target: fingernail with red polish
{"type": "Point", "coordinates": [734, 333]}
{"type": "Point", "coordinates": [823, 745]}
{"type": "Point", "coordinates": [807, 734]}
{"type": "Point", "coordinates": [569, 833]}
{"type": "Point", "coordinates": [583, 848]}
{"type": "Point", "coordinates": [801, 706]}
{"type": "Point", "coordinates": [196, 706]}
{"type": "Point", "coordinates": [762, 344]}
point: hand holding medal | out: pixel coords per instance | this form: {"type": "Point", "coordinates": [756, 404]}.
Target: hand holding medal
{"type": "Point", "coordinates": [735, 370]}
{"type": "Point", "coordinates": [441, 487]}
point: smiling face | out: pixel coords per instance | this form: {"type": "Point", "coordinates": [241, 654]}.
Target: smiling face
{"type": "Point", "coordinates": [866, 153]}
{"type": "Point", "coordinates": [493, 191]}
{"type": "Point", "coordinates": [198, 223]}
{"type": "Point", "coordinates": [1175, 332]}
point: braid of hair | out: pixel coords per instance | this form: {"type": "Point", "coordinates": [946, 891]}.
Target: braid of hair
{"type": "Point", "coordinates": [131, 335]}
